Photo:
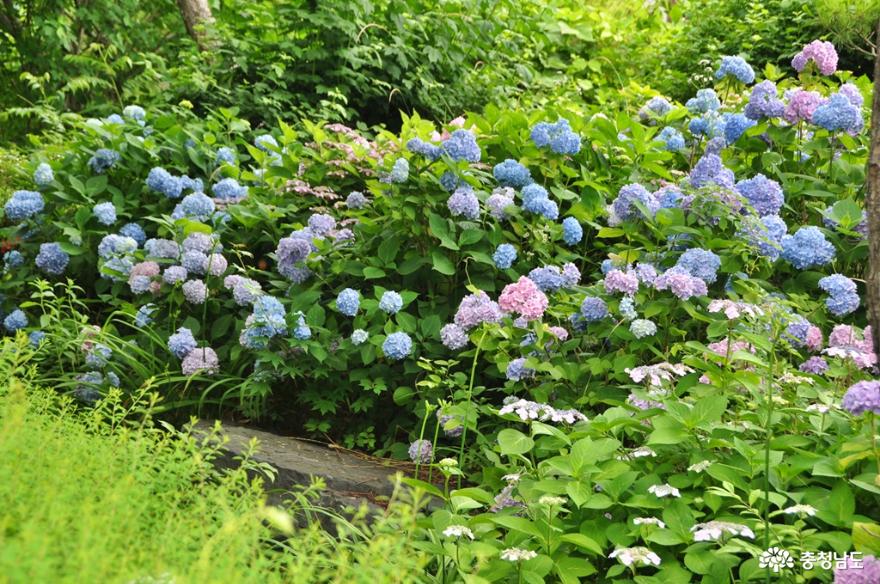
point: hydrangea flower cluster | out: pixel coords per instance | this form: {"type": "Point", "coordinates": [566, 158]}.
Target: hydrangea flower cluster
{"type": "Point", "coordinates": [558, 136]}
{"type": "Point", "coordinates": [511, 173]}
{"type": "Point", "coordinates": [801, 105]}
{"type": "Point", "coordinates": [200, 360]}
{"type": "Point", "coordinates": [572, 232]}
{"type": "Point", "coordinates": [700, 263]}
{"type": "Point", "coordinates": [821, 53]}
{"type": "Point", "coordinates": [267, 320]}
{"type": "Point", "coordinates": [642, 328]}
{"type": "Point", "coordinates": [842, 295]}
{"type": "Point", "coordinates": [517, 370]}
{"type": "Point", "coordinates": [356, 200]}
{"type": "Point", "coordinates": [624, 207]}
{"type": "Point", "coordinates": [426, 149]}
{"type": "Point", "coordinates": [464, 203]}
{"type": "Point", "coordinates": [105, 213]}
{"type": "Point", "coordinates": [619, 281]}
{"type": "Point", "coordinates": [765, 233]}
{"type": "Point", "coordinates": [737, 68]}
{"type": "Point", "coordinates": [500, 200]}
{"type": "Point", "coordinates": [551, 278]}
{"type": "Point", "coordinates": [764, 102]}
{"type": "Point", "coordinates": [536, 200]}
{"type": "Point", "coordinates": [462, 145]}
{"type": "Point", "coordinates": [397, 346]}
{"type": "Point", "coordinates": [453, 337]}
{"type": "Point", "coordinates": [52, 259]}
{"type": "Point", "coordinates": [527, 411]}
{"type": "Point", "coordinates": [681, 283]}
{"type": "Point", "coordinates": [181, 342]}
{"type": "Point", "coordinates": [43, 175]}
{"type": "Point", "coordinates": [807, 248]}
{"type": "Point", "coordinates": [103, 160]}
{"type": "Point", "coordinates": [391, 302]}
{"type": "Point", "coordinates": [348, 302]}
{"type": "Point", "coordinates": [672, 139]}
{"type": "Point", "coordinates": [837, 113]}
{"type": "Point", "coordinates": [504, 256]}
{"type": "Point", "coordinates": [475, 309]}
{"type": "Point", "coordinates": [658, 106]}
{"type": "Point", "coordinates": [593, 309]}
{"type": "Point", "coordinates": [524, 298]}
{"type": "Point", "coordinates": [24, 205]}
{"type": "Point", "coordinates": [705, 101]}
{"type": "Point", "coordinates": [421, 452]}
{"type": "Point", "coordinates": [862, 397]}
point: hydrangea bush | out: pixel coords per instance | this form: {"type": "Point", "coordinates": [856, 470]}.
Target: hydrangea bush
{"type": "Point", "coordinates": [639, 336]}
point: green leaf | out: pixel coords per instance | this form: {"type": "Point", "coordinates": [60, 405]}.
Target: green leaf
{"type": "Point", "coordinates": [469, 236]}
{"type": "Point", "coordinates": [707, 411]}
{"type": "Point", "coordinates": [373, 273]}
{"type": "Point", "coordinates": [610, 232]}
{"type": "Point", "coordinates": [220, 327]}
{"type": "Point", "coordinates": [519, 524]}
{"type": "Point", "coordinates": [442, 263]}
{"type": "Point", "coordinates": [584, 542]}
{"type": "Point", "coordinates": [866, 538]}
{"type": "Point", "coordinates": [514, 442]}
{"type": "Point", "coordinates": [388, 249]}
{"type": "Point", "coordinates": [316, 316]}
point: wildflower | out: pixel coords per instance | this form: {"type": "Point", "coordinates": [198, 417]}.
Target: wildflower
{"type": "Point", "coordinates": [843, 298]}
{"type": "Point", "coordinates": [348, 302]}
{"type": "Point", "coordinates": [397, 346]}
{"type": "Point", "coordinates": [558, 136]}
{"type": "Point", "coordinates": [421, 451]}
{"type": "Point", "coordinates": [807, 248]}
{"type": "Point", "coordinates": [504, 256]}
{"type": "Point", "coordinates": [593, 309]}
{"type": "Point", "coordinates": [52, 259]}
{"type": "Point", "coordinates": [105, 213]}
{"type": "Point", "coordinates": [15, 320]}
{"type": "Point", "coordinates": [511, 173]}
{"type": "Point", "coordinates": [195, 291]}
{"type": "Point", "coordinates": [23, 205]}
{"type": "Point", "coordinates": [462, 145]}
{"type": "Point", "coordinates": [228, 189]}
{"type": "Point", "coordinates": [391, 302]}
{"type": "Point", "coordinates": [737, 68]}
{"type": "Point", "coordinates": [464, 203]}
{"type": "Point", "coordinates": [642, 328]}
{"type": "Point", "coordinates": [862, 397]}
{"type": "Point", "coordinates": [763, 102]}
{"type": "Point", "coordinates": [572, 232]}
{"type": "Point", "coordinates": [458, 531]}
{"type": "Point", "coordinates": [822, 53]}
{"type": "Point", "coordinates": [43, 175]}
{"type": "Point", "coordinates": [714, 530]}
{"type": "Point", "coordinates": [551, 501]}
{"type": "Point", "coordinates": [202, 360]}
{"type": "Point", "coordinates": [103, 160]}
{"type": "Point", "coordinates": [624, 205]}
{"type": "Point", "coordinates": [181, 342]}
{"type": "Point", "coordinates": [359, 336]}
{"type": "Point", "coordinates": [649, 521]}
{"type": "Point", "coordinates": [523, 297]}
{"type": "Point", "coordinates": [517, 555]}
{"type": "Point", "coordinates": [664, 490]}
{"type": "Point", "coordinates": [837, 113]}
{"type": "Point", "coordinates": [706, 100]}
{"type": "Point", "coordinates": [635, 556]}
{"type": "Point", "coordinates": [528, 410]}
{"type": "Point", "coordinates": [814, 365]}
{"type": "Point", "coordinates": [356, 200]}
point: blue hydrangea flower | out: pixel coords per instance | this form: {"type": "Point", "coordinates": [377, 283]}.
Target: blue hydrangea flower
{"type": "Point", "coordinates": [669, 197]}
{"type": "Point", "coordinates": [115, 119]}
{"type": "Point", "coordinates": [195, 262]}
{"type": "Point", "coordinates": [627, 308]}
{"type": "Point", "coordinates": [181, 342]}
{"type": "Point", "coordinates": [144, 315]}
{"type": "Point", "coordinates": [533, 196]}
{"type": "Point", "coordinates": [504, 256]}
{"type": "Point", "coordinates": [709, 169]}
{"type": "Point", "coordinates": [193, 184]}
{"type": "Point", "coordinates": [195, 291]}
{"type": "Point", "coordinates": [837, 113]}
{"type": "Point", "coordinates": [267, 320]}
{"type": "Point", "coordinates": [23, 205]}
{"type": "Point", "coordinates": [623, 205]}
{"type": "Point", "coordinates": [321, 224]}
{"type": "Point", "coordinates": [36, 337]}
{"type": "Point", "coordinates": [135, 232]}
{"type": "Point", "coordinates": [766, 234]}
{"type": "Point", "coordinates": [572, 232]}
{"type": "Point", "coordinates": [12, 259]}
{"type": "Point", "coordinates": [229, 189]}
{"type": "Point", "coordinates": [43, 175]}
{"type": "Point", "coordinates": [700, 263]}
{"type": "Point", "coordinates": [98, 356]}
{"type": "Point", "coordinates": [450, 181]}
{"type": "Point", "coordinates": [547, 278]}
{"type": "Point", "coordinates": [426, 149]}
{"type": "Point", "coordinates": [710, 125]}
{"type": "Point", "coordinates": [462, 145]}
{"type": "Point", "coordinates": [202, 242]}
{"type": "Point", "coordinates": [301, 332]}
{"type": "Point", "coordinates": [103, 160]}
{"type": "Point", "coordinates": [359, 336]}
{"type": "Point", "coordinates": [162, 181]}
{"type": "Point", "coordinates": [15, 320]}
{"type": "Point", "coordinates": [843, 297]}
{"type": "Point", "coordinates": [807, 248]}
{"type": "Point", "coordinates": [511, 173]}
{"type": "Point", "coordinates": [105, 213]}
{"type": "Point", "coordinates": [657, 106]}
{"type": "Point", "coordinates": [162, 248]}
{"type": "Point", "coordinates": [391, 302]}
{"type": "Point", "coordinates": [762, 193]}
{"type": "Point", "coordinates": [348, 302]}
{"type": "Point", "coordinates": [735, 125]}
{"type": "Point", "coordinates": [517, 370]}
{"type": "Point", "coordinates": [642, 328]}
{"type": "Point", "coordinates": [397, 346]}
{"type": "Point", "coordinates": [549, 209]}
{"type": "Point", "coordinates": [134, 112]}
{"type": "Point", "coordinates": [737, 68]}
{"type": "Point", "coordinates": [266, 142]}
{"type": "Point", "coordinates": [356, 200]}
{"type": "Point", "coordinates": [225, 155]}
{"type": "Point", "coordinates": [593, 309]}
{"type": "Point", "coordinates": [672, 139]}
{"type": "Point", "coordinates": [763, 102]}
{"type": "Point", "coordinates": [559, 137]}
{"type": "Point", "coordinates": [118, 269]}
{"type": "Point", "coordinates": [52, 259]}
{"type": "Point", "coordinates": [706, 100]}
{"type": "Point", "coordinates": [464, 203]}
{"type": "Point", "coordinates": [113, 244]}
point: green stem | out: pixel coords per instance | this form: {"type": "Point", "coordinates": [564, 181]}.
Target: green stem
{"type": "Point", "coordinates": [468, 409]}
{"type": "Point", "coordinates": [769, 435]}
{"type": "Point", "coordinates": [421, 436]}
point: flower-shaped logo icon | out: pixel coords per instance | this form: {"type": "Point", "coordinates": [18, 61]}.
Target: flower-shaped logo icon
{"type": "Point", "coordinates": [775, 559]}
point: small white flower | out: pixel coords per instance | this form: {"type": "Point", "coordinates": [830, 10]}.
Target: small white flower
{"type": "Point", "coordinates": [713, 530]}
{"type": "Point", "coordinates": [512, 478]}
{"type": "Point", "coordinates": [640, 452]}
{"type": "Point", "coordinates": [458, 531]}
{"type": "Point", "coordinates": [664, 490]}
{"type": "Point", "coordinates": [800, 510]}
{"type": "Point", "coordinates": [821, 408]}
{"type": "Point", "coordinates": [699, 466]}
{"type": "Point", "coordinates": [633, 555]}
{"type": "Point", "coordinates": [649, 521]}
{"type": "Point", "coordinates": [551, 501]}
{"type": "Point", "coordinates": [517, 555]}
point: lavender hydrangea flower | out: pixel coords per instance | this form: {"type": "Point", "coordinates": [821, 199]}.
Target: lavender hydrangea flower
{"type": "Point", "coordinates": [397, 346]}
{"type": "Point", "coordinates": [511, 173]}
{"type": "Point", "coordinates": [822, 53]}
{"type": "Point", "coordinates": [174, 274]}
{"type": "Point", "coordinates": [195, 291]}
{"type": "Point", "coordinates": [843, 298]}
{"type": "Point", "coordinates": [202, 360]}
{"type": "Point", "coordinates": [23, 205]}
{"type": "Point", "coordinates": [116, 245]}
{"type": "Point", "coordinates": [52, 259]}
{"type": "Point", "coordinates": [593, 309]}
{"type": "Point", "coordinates": [391, 302]}
{"type": "Point", "coordinates": [464, 203]}
{"type": "Point", "coordinates": [681, 283]}
{"type": "Point", "coordinates": [807, 248]}
{"type": "Point", "coordinates": [762, 193]}
{"type": "Point", "coordinates": [421, 452]}
{"type": "Point", "coordinates": [291, 253]}
{"type": "Point", "coordinates": [216, 264]}
{"type": "Point", "coordinates": [462, 145]}
{"type": "Point", "coordinates": [572, 232]}
{"type": "Point", "coordinates": [426, 149]}
{"type": "Point", "coordinates": [43, 175]}
{"type": "Point", "coordinates": [867, 571]}
{"type": "Point", "coordinates": [814, 365]}
{"type": "Point", "coordinates": [195, 262]}
{"type": "Point", "coordinates": [706, 100]}
{"type": "Point", "coordinates": [700, 263]}
{"type": "Point", "coordinates": [764, 102]}
{"type": "Point", "coordinates": [620, 281]}
{"type": "Point", "coordinates": [356, 200]}
{"type": "Point", "coordinates": [852, 93]}
{"type": "Point", "coordinates": [103, 160]}
{"type": "Point", "coordinates": [453, 337]}
{"type": "Point", "coordinates": [709, 169]}
{"type": "Point", "coordinates": [737, 68]}
{"type": "Point", "coordinates": [801, 105]}
{"type": "Point", "coordinates": [862, 397]}
{"type": "Point", "coordinates": [15, 320]}
{"type": "Point", "coordinates": [475, 309]}
{"type": "Point", "coordinates": [558, 136]}
{"type": "Point", "coordinates": [228, 189]}
{"type": "Point", "coordinates": [571, 275]}
{"type": "Point", "coordinates": [321, 224]}
{"type": "Point", "coordinates": [348, 302]}
{"type": "Point", "coordinates": [624, 205]}
{"type": "Point", "coordinates": [504, 256]}
{"type": "Point", "coordinates": [181, 342]}
{"type": "Point", "coordinates": [517, 370]}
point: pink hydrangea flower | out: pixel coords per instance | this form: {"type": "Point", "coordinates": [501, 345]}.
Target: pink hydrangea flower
{"type": "Point", "coordinates": [822, 53]}
{"type": "Point", "coordinates": [523, 297]}
{"type": "Point", "coordinates": [619, 281]}
{"type": "Point", "coordinates": [801, 105]}
{"type": "Point", "coordinates": [814, 338]}
{"type": "Point", "coordinates": [844, 341]}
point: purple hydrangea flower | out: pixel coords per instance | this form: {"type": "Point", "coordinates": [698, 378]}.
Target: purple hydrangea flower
{"type": "Point", "coordinates": [593, 309]}
{"type": "Point", "coordinates": [195, 291]}
{"type": "Point", "coordinates": [453, 337]}
{"type": "Point", "coordinates": [174, 274]}
{"type": "Point", "coordinates": [822, 53]}
{"type": "Point", "coordinates": [321, 224]}
{"type": "Point", "coordinates": [619, 281]}
{"type": "Point", "coordinates": [657, 106]}
{"type": "Point", "coordinates": [862, 397]}
{"type": "Point", "coordinates": [475, 309]}
{"type": "Point", "coordinates": [464, 203]}
{"type": "Point", "coordinates": [201, 360]}
{"type": "Point", "coordinates": [498, 201]}
{"type": "Point", "coordinates": [571, 275]}
{"type": "Point", "coordinates": [763, 102]}
{"type": "Point", "coordinates": [814, 365]}
{"type": "Point", "coordinates": [709, 169]}
{"type": "Point", "coordinates": [421, 452]}
{"type": "Point", "coordinates": [681, 283]}
{"type": "Point", "coordinates": [624, 206]}
{"type": "Point", "coordinates": [801, 105]}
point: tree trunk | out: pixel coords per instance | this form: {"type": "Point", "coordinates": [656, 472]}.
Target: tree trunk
{"type": "Point", "coordinates": [872, 204]}
{"type": "Point", "coordinates": [196, 16]}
